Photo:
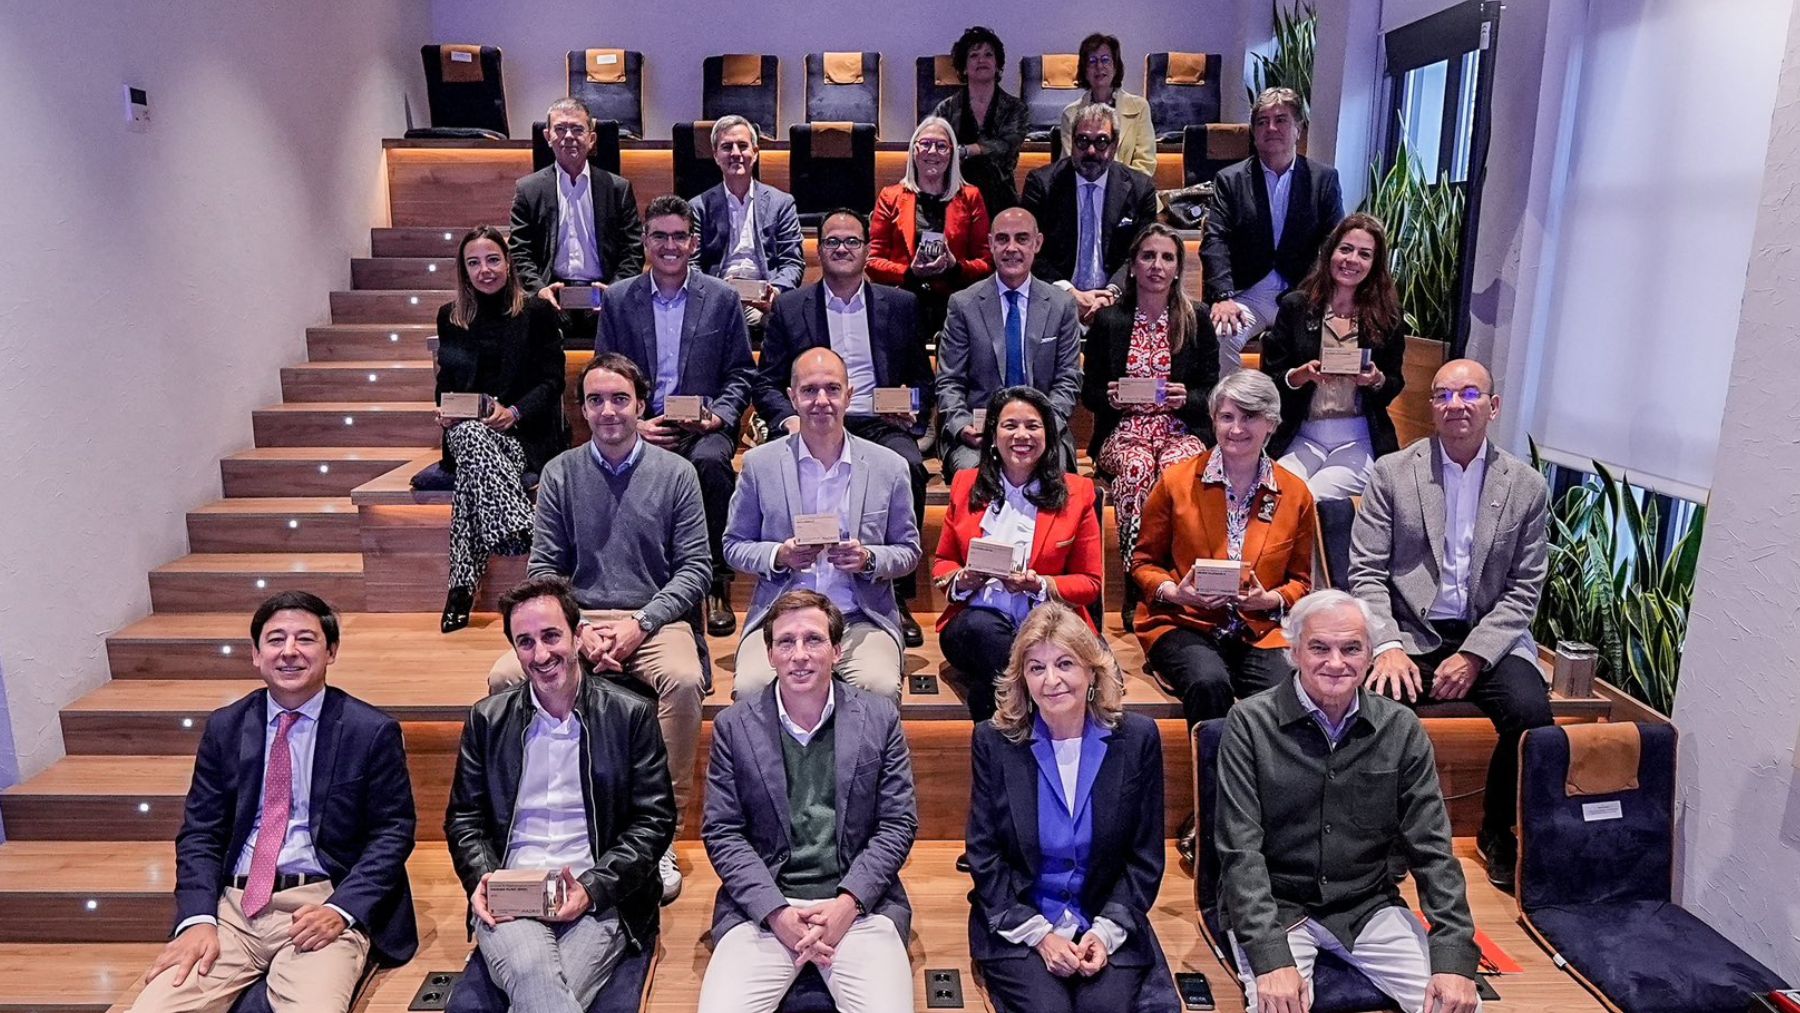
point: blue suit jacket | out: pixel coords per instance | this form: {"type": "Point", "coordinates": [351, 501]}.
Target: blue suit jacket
{"type": "Point", "coordinates": [777, 233]}
{"type": "Point", "coordinates": [797, 322]}
{"type": "Point", "coordinates": [715, 342]}
{"type": "Point", "coordinates": [362, 815]}
{"type": "Point", "coordinates": [745, 826]}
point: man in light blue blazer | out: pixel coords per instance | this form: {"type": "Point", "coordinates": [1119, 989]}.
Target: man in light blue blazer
{"type": "Point", "coordinates": [748, 229]}
{"type": "Point", "coordinates": [819, 474]}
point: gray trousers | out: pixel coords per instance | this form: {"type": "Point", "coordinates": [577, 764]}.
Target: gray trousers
{"type": "Point", "coordinates": [545, 967]}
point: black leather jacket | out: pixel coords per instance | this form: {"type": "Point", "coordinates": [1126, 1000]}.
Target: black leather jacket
{"type": "Point", "coordinates": [624, 785]}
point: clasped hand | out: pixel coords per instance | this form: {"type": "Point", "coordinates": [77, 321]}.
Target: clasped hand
{"type": "Point", "coordinates": [1064, 957]}
{"type": "Point", "coordinates": [813, 934]}
{"type": "Point", "coordinates": [607, 643]}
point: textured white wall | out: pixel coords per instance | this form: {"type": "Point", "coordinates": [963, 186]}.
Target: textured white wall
{"type": "Point", "coordinates": [1739, 703]}
{"type": "Point", "coordinates": [152, 283]}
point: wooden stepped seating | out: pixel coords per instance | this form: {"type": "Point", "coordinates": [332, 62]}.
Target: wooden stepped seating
{"type": "Point", "coordinates": [350, 380]}
{"type": "Point", "coordinates": [59, 978]}
{"type": "Point", "coordinates": [310, 470]}
{"type": "Point", "coordinates": [376, 273]}
{"type": "Point", "coordinates": [347, 424]}
{"type": "Point", "coordinates": [227, 581]}
{"type": "Point", "coordinates": [399, 306]}
{"type": "Point", "coordinates": [340, 342]}
{"type": "Point", "coordinates": [276, 524]}
{"type": "Point", "coordinates": [417, 240]}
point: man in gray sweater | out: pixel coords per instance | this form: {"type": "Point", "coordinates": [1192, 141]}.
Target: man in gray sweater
{"type": "Point", "coordinates": [623, 522]}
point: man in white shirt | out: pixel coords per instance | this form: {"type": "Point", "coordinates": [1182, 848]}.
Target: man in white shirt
{"type": "Point", "coordinates": [859, 493]}
{"type": "Point", "coordinates": [749, 231]}
{"type": "Point", "coordinates": [1449, 551]}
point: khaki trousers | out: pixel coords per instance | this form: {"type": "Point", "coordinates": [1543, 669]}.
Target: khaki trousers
{"type": "Point", "coordinates": [323, 981]}
{"type": "Point", "coordinates": [872, 661]}
{"type": "Point", "coordinates": [668, 662]}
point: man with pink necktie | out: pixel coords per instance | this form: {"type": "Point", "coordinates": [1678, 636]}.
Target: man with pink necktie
{"type": "Point", "coordinates": [290, 866]}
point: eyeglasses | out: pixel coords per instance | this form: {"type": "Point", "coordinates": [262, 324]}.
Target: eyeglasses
{"type": "Point", "coordinates": [1098, 142]}
{"type": "Point", "coordinates": [575, 130]}
{"type": "Point", "coordinates": [786, 646]}
{"type": "Point", "coordinates": [852, 243]}
{"type": "Point", "coordinates": [1442, 396]}
{"type": "Point", "coordinates": [931, 145]}
{"type": "Point", "coordinates": [1100, 60]}
{"type": "Point", "coordinates": [664, 238]}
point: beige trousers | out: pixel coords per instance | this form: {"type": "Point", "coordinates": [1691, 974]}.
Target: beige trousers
{"type": "Point", "coordinates": [872, 661]}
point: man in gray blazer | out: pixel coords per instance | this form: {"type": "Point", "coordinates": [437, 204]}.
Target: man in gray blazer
{"type": "Point", "coordinates": [861, 487]}
{"type": "Point", "coordinates": [748, 229]}
{"type": "Point", "coordinates": [810, 813]}
{"type": "Point", "coordinates": [1449, 551]}
{"type": "Point", "coordinates": [1006, 331]}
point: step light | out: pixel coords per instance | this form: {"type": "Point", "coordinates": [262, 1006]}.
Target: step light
{"type": "Point", "coordinates": [144, 807]}
{"type": "Point", "coordinates": [393, 336]}
{"type": "Point", "coordinates": [225, 649]}
{"type": "Point", "coordinates": [447, 237]}
{"type": "Point", "coordinates": [412, 300]}
{"type": "Point", "coordinates": [430, 268]}
{"type": "Point", "coordinates": [324, 469]}
{"type": "Point", "coordinates": [293, 524]}
{"type": "Point", "coordinates": [349, 420]}
{"type": "Point", "coordinates": [187, 722]}
{"type": "Point", "coordinates": [92, 904]}
{"type": "Point", "coordinates": [261, 583]}
{"type": "Point", "coordinates": [373, 377]}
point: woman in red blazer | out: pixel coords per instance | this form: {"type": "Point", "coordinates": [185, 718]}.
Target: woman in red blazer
{"type": "Point", "coordinates": [1019, 495]}
{"type": "Point", "coordinates": [932, 198]}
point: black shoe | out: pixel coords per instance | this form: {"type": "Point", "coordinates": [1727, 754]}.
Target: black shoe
{"type": "Point", "coordinates": [909, 629]}
{"type": "Point", "coordinates": [720, 620]}
{"type": "Point", "coordinates": [962, 863]}
{"type": "Point", "coordinates": [1500, 852]}
{"type": "Point", "coordinates": [1186, 842]}
{"type": "Point", "coordinates": [456, 609]}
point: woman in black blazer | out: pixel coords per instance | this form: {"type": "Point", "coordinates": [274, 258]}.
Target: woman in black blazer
{"type": "Point", "coordinates": [1065, 832]}
{"type": "Point", "coordinates": [495, 341]}
{"type": "Point", "coordinates": [1335, 424]}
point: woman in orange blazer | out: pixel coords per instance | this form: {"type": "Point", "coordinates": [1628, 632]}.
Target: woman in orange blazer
{"type": "Point", "coordinates": [931, 198]}
{"type": "Point", "coordinates": [1019, 495]}
{"type": "Point", "coordinates": [1231, 503]}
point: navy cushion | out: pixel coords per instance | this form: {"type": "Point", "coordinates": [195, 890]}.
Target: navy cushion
{"type": "Point", "coordinates": [622, 993]}
{"type": "Point", "coordinates": [1653, 957]}
{"type": "Point", "coordinates": [1336, 518]}
{"type": "Point", "coordinates": [434, 477]}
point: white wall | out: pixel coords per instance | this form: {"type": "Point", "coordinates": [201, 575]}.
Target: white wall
{"type": "Point", "coordinates": [676, 35]}
{"type": "Point", "coordinates": [155, 282]}
{"type": "Point", "coordinates": [1738, 707]}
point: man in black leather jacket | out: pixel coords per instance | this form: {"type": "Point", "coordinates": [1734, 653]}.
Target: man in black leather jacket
{"type": "Point", "coordinates": [568, 774]}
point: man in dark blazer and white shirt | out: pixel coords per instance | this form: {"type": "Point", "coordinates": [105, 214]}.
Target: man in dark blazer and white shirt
{"type": "Point", "coordinates": [1268, 215]}
{"type": "Point", "coordinates": [1090, 207]}
{"type": "Point", "coordinates": [685, 332]}
{"type": "Point", "coordinates": [810, 814]}
{"type": "Point", "coordinates": [291, 860]}
{"type": "Point", "coordinates": [1449, 551]}
{"type": "Point", "coordinates": [574, 222]}
{"type": "Point", "coordinates": [985, 348]}
{"type": "Point", "coordinates": [748, 229]}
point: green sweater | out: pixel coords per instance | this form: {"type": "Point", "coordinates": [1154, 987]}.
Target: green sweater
{"type": "Point", "coordinates": [812, 870]}
{"type": "Point", "coordinates": [1304, 830]}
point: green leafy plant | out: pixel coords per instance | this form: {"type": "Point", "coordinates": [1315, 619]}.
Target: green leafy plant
{"type": "Point", "coordinates": [1424, 222]}
{"type": "Point", "coordinates": [1296, 39]}
{"type": "Point", "coordinates": [1609, 586]}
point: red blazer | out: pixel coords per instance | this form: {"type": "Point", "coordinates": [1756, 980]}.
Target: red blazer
{"type": "Point", "coordinates": [894, 237]}
{"type": "Point", "coordinates": [1065, 547]}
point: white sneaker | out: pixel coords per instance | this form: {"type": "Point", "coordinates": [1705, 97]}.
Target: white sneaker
{"type": "Point", "coordinates": [671, 876]}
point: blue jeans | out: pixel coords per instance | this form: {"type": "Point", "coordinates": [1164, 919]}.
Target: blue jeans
{"type": "Point", "coordinates": [545, 967]}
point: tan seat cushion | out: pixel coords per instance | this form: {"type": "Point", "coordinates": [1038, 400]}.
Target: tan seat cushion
{"type": "Point", "coordinates": [606, 66]}
{"type": "Point", "coordinates": [741, 70]}
{"type": "Point", "coordinates": [460, 64]}
{"type": "Point", "coordinates": [843, 68]}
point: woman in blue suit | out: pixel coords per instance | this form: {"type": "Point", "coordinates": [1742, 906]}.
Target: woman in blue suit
{"type": "Point", "coordinates": [1065, 830]}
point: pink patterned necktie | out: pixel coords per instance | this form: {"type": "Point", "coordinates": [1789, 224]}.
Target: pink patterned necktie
{"type": "Point", "coordinates": [277, 804]}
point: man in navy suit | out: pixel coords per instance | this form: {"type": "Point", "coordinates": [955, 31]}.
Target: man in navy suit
{"type": "Point", "coordinates": [291, 860]}
{"type": "Point", "coordinates": [749, 231]}
{"type": "Point", "coordinates": [685, 332]}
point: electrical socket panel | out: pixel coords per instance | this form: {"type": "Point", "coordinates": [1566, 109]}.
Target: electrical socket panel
{"type": "Point", "coordinates": [137, 110]}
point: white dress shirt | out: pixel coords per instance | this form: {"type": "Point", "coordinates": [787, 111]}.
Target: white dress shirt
{"type": "Point", "coordinates": [577, 250]}
{"type": "Point", "coordinates": [1269, 287]}
{"type": "Point", "coordinates": [1012, 520]}
{"type": "Point", "coordinates": [848, 324]}
{"type": "Point", "coordinates": [1462, 503]}
{"type": "Point", "coordinates": [743, 254]}
{"type": "Point", "coordinates": [549, 825]}
{"type": "Point", "coordinates": [804, 736]}
{"type": "Point", "coordinates": [668, 313]}
{"type": "Point", "coordinates": [826, 491]}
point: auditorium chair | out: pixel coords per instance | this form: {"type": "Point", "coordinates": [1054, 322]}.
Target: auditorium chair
{"type": "Point", "coordinates": [1207, 149]}
{"type": "Point", "coordinates": [1047, 85]}
{"type": "Point", "coordinates": [937, 80]}
{"type": "Point", "coordinates": [1596, 868]}
{"type": "Point", "coordinates": [606, 146]}
{"type": "Point", "coordinates": [831, 165]}
{"type": "Point", "coordinates": [1337, 987]}
{"type": "Point", "coordinates": [1183, 91]}
{"type": "Point", "coordinates": [695, 172]}
{"type": "Point", "coordinates": [843, 87]}
{"type": "Point", "coordinates": [741, 84]}
{"type": "Point", "coordinates": [610, 82]}
{"type": "Point", "coordinates": [466, 93]}
{"type": "Point", "coordinates": [1333, 519]}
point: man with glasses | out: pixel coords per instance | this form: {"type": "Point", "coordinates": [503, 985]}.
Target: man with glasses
{"type": "Point", "coordinates": [1090, 207]}
{"type": "Point", "coordinates": [574, 223]}
{"type": "Point", "coordinates": [859, 491]}
{"type": "Point", "coordinates": [1449, 552]}
{"type": "Point", "coordinates": [749, 231]}
{"type": "Point", "coordinates": [685, 332]}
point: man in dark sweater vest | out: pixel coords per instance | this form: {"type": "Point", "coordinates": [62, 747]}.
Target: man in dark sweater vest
{"type": "Point", "coordinates": [809, 816]}
{"type": "Point", "coordinates": [622, 521]}
{"type": "Point", "coordinates": [1319, 782]}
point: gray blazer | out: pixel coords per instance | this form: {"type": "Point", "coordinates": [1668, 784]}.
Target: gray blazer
{"type": "Point", "coordinates": [745, 824]}
{"type": "Point", "coordinates": [777, 232]}
{"type": "Point", "coordinates": [972, 351]}
{"type": "Point", "coordinates": [1397, 551]}
{"type": "Point", "coordinates": [768, 499]}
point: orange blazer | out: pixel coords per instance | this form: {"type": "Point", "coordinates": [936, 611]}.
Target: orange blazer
{"type": "Point", "coordinates": [894, 237]}
{"type": "Point", "coordinates": [1065, 547]}
{"type": "Point", "coordinates": [1184, 520]}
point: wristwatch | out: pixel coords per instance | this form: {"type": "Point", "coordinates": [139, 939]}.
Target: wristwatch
{"type": "Point", "coordinates": [643, 622]}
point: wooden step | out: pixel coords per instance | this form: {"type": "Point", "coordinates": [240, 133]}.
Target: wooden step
{"type": "Point", "coordinates": [59, 978]}
{"type": "Point", "coordinates": [182, 645]}
{"type": "Point", "coordinates": [379, 273]}
{"type": "Point", "coordinates": [400, 306]}
{"type": "Point", "coordinates": [373, 379]}
{"type": "Point", "coordinates": [309, 471]}
{"type": "Point", "coordinates": [99, 798]}
{"type": "Point", "coordinates": [416, 241]}
{"type": "Point", "coordinates": [347, 424]}
{"type": "Point", "coordinates": [276, 524]}
{"type": "Point", "coordinates": [86, 891]}
{"type": "Point", "coordinates": [339, 342]}
{"type": "Point", "coordinates": [224, 581]}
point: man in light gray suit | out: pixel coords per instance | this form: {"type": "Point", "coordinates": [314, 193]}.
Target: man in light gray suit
{"type": "Point", "coordinates": [1449, 551]}
{"type": "Point", "coordinates": [1006, 331]}
{"type": "Point", "coordinates": [810, 813]}
{"type": "Point", "coordinates": [857, 488]}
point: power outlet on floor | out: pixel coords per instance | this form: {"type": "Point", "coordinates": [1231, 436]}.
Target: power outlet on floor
{"type": "Point", "coordinates": [943, 988]}
{"type": "Point", "coordinates": [924, 685]}
{"type": "Point", "coordinates": [434, 991]}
